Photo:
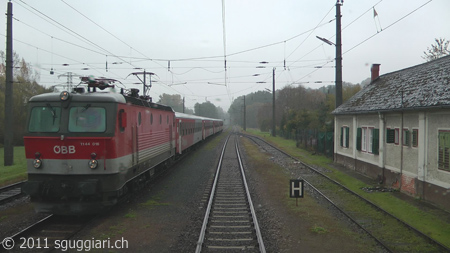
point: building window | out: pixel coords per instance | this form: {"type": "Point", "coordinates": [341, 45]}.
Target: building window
{"type": "Point", "coordinates": [406, 137]}
{"type": "Point", "coordinates": [345, 130]}
{"type": "Point", "coordinates": [415, 138]}
{"type": "Point", "coordinates": [392, 136]}
{"type": "Point", "coordinates": [444, 148]}
{"type": "Point", "coordinates": [367, 139]}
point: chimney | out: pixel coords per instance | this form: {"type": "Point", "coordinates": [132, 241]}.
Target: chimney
{"type": "Point", "coordinates": [375, 69]}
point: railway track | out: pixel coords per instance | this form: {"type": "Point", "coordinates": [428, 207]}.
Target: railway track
{"type": "Point", "coordinates": [387, 230]}
{"type": "Point", "coordinates": [10, 192]}
{"type": "Point", "coordinates": [230, 222]}
{"type": "Point", "coordinates": [46, 234]}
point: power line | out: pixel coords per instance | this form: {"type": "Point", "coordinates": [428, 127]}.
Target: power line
{"type": "Point", "coordinates": [79, 35]}
{"type": "Point", "coordinates": [53, 37]}
{"type": "Point", "coordinates": [311, 32]}
{"type": "Point", "coordinates": [398, 20]}
{"type": "Point", "coordinates": [79, 12]}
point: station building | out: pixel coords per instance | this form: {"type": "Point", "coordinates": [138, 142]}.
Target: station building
{"type": "Point", "coordinates": [397, 130]}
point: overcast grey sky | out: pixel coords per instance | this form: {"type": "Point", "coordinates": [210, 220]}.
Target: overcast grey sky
{"type": "Point", "coordinates": [81, 36]}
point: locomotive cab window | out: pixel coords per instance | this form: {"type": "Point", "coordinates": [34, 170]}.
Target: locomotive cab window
{"type": "Point", "coordinates": [45, 119]}
{"type": "Point", "coordinates": [84, 119]}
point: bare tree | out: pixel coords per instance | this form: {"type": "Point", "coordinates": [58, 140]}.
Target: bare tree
{"type": "Point", "coordinates": [437, 50]}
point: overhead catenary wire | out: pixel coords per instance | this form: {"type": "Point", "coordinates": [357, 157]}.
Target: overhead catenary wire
{"type": "Point", "coordinates": [56, 38]}
{"type": "Point", "coordinates": [392, 24]}
{"type": "Point", "coordinates": [70, 30]}
{"type": "Point", "coordinates": [228, 60]}
{"type": "Point", "coordinates": [104, 29]}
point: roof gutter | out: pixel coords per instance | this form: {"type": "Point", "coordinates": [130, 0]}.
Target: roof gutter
{"type": "Point", "coordinates": [424, 108]}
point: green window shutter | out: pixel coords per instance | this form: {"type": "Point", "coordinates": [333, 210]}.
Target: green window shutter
{"type": "Point", "coordinates": [342, 136]}
{"type": "Point", "coordinates": [358, 138]}
{"type": "Point", "coordinates": [390, 135]}
{"type": "Point", "coordinates": [376, 141]}
{"type": "Point", "coordinates": [347, 132]}
{"type": "Point", "coordinates": [408, 137]}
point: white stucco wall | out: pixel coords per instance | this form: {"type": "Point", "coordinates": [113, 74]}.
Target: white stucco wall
{"type": "Point", "coordinates": [419, 162]}
{"type": "Point", "coordinates": [435, 121]}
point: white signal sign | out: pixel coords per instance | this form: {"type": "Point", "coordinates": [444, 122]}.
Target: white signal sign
{"type": "Point", "coordinates": [296, 188]}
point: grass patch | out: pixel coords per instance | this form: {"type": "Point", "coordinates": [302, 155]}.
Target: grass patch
{"type": "Point", "coordinates": [433, 225]}
{"type": "Point", "coordinates": [16, 172]}
{"type": "Point", "coordinates": [216, 139]}
{"type": "Point", "coordinates": [130, 215]}
{"type": "Point", "coordinates": [155, 201]}
{"type": "Point", "coordinates": [319, 230]}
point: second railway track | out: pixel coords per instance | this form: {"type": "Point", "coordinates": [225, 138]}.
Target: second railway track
{"type": "Point", "coordinates": [389, 231]}
{"type": "Point", "coordinates": [230, 221]}
{"type": "Point", "coordinates": [47, 234]}
{"type": "Point", "coordinates": [10, 192]}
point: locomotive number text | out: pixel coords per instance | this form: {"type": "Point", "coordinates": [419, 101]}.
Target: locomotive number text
{"type": "Point", "coordinates": [89, 144]}
{"type": "Point", "coordinates": [64, 149]}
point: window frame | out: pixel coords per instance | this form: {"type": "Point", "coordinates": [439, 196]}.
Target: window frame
{"type": "Point", "coordinates": [406, 134]}
{"type": "Point", "coordinates": [345, 138]}
{"type": "Point", "coordinates": [397, 136]}
{"type": "Point", "coordinates": [367, 138]}
{"type": "Point", "coordinates": [443, 165]}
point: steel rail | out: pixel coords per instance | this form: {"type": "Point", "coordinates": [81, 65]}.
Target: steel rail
{"type": "Point", "coordinates": [23, 231]}
{"type": "Point", "coordinates": [252, 209]}
{"type": "Point", "coordinates": [4, 190]}
{"type": "Point", "coordinates": [331, 202]}
{"type": "Point", "coordinates": [50, 229]}
{"type": "Point", "coordinates": [201, 238]}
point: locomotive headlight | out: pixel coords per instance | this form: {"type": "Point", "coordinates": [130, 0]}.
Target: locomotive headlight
{"type": "Point", "coordinates": [93, 163]}
{"type": "Point", "coordinates": [64, 95]}
{"type": "Point", "coordinates": [37, 162]}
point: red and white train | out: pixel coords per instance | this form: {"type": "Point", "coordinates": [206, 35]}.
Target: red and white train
{"type": "Point", "coordinates": [85, 150]}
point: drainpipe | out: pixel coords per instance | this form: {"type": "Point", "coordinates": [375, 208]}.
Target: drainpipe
{"type": "Point", "coordinates": [401, 147]}
{"type": "Point", "coordinates": [425, 159]}
{"type": "Point", "coordinates": [381, 139]}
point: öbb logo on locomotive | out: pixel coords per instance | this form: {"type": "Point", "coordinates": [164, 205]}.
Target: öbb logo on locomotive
{"type": "Point", "coordinates": [64, 149]}
{"type": "Point", "coordinates": [109, 141]}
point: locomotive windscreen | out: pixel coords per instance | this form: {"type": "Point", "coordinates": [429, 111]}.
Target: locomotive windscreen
{"type": "Point", "coordinates": [87, 119]}
{"type": "Point", "coordinates": [45, 119]}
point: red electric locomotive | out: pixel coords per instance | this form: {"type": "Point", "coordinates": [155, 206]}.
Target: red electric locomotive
{"type": "Point", "coordinates": [85, 150]}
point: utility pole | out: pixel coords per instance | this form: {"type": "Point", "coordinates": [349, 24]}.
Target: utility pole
{"type": "Point", "coordinates": [245, 119]}
{"type": "Point", "coordinates": [338, 54]}
{"type": "Point", "coordinates": [9, 129]}
{"type": "Point", "coordinates": [183, 104]}
{"type": "Point", "coordinates": [273, 104]}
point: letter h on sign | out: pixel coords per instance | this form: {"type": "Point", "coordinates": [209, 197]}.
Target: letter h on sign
{"type": "Point", "coordinates": [296, 188]}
